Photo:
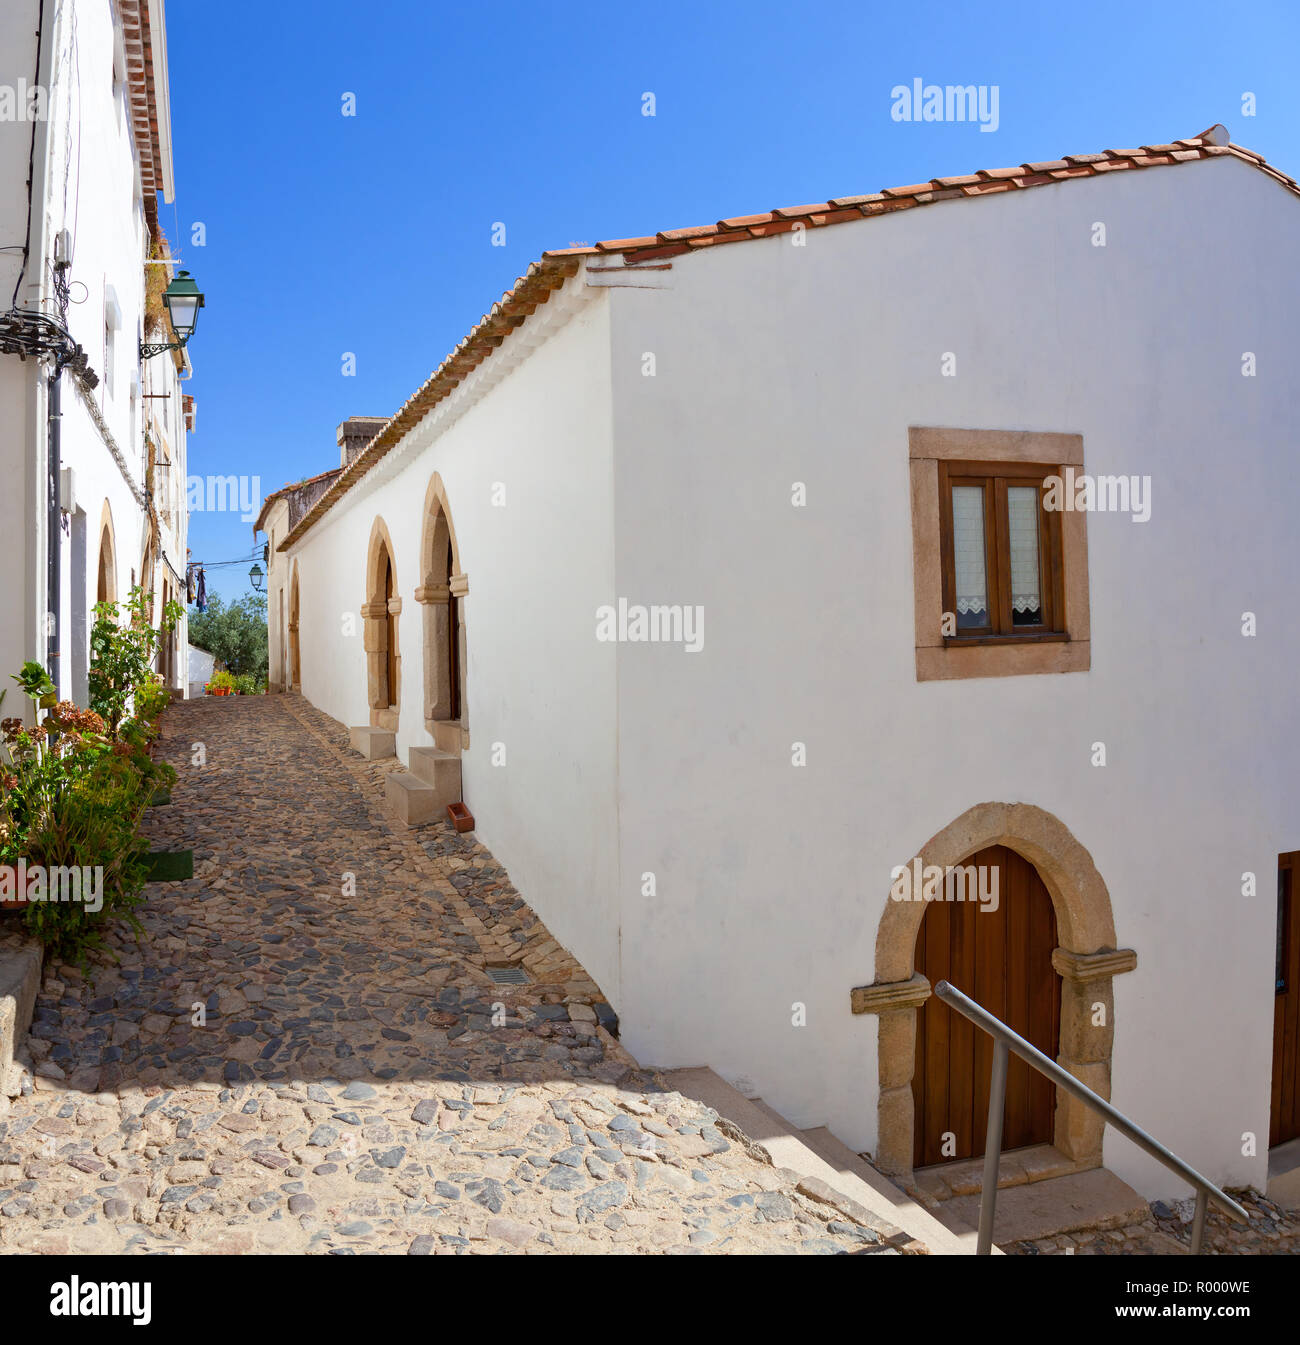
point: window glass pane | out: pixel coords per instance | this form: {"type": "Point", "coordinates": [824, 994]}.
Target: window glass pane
{"type": "Point", "coordinates": [968, 554]}
{"type": "Point", "coordinates": [1022, 524]}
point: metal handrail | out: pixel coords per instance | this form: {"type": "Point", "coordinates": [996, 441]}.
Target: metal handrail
{"type": "Point", "coordinates": [1005, 1040]}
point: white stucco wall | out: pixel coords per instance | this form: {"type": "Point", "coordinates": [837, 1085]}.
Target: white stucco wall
{"type": "Point", "coordinates": [778, 364]}
{"type": "Point", "coordinates": [536, 682]}
{"type": "Point", "coordinates": [94, 193]}
{"type": "Point", "coordinates": [20, 561]}
{"type": "Point", "coordinates": [198, 669]}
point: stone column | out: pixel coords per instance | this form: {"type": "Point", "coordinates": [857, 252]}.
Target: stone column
{"type": "Point", "coordinates": [374, 635]}
{"type": "Point", "coordinates": [436, 601]}
{"type": "Point", "coordinates": [895, 1003]}
{"type": "Point", "coordinates": [1087, 1037]}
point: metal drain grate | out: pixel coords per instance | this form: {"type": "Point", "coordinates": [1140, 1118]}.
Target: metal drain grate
{"type": "Point", "coordinates": [508, 975]}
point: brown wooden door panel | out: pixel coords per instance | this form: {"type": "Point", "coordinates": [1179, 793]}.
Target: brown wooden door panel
{"type": "Point", "coordinates": [1003, 960]}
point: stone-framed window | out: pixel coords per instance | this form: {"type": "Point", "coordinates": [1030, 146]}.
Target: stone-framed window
{"type": "Point", "coordinates": [981, 550]}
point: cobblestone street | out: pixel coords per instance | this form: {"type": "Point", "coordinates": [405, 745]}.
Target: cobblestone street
{"type": "Point", "coordinates": [356, 1081]}
{"type": "Point", "coordinates": [1272, 1231]}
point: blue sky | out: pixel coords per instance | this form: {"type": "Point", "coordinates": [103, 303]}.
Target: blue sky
{"type": "Point", "coordinates": [372, 234]}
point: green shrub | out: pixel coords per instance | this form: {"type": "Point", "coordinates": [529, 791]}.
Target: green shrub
{"type": "Point", "coordinates": [95, 826]}
{"type": "Point", "coordinates": [73, 787]}
{"type": "Point", "coordinates": [121, 652]}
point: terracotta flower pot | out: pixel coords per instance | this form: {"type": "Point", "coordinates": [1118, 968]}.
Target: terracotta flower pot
{"type": "Point", "coordinates": [461, 817]}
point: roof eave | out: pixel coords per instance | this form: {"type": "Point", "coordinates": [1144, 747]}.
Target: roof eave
{"type": "Point", "coordinates": [162, 98]}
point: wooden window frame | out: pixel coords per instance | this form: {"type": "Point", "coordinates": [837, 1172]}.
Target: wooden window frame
{"type": "Point", "coordinates": [994, 478]}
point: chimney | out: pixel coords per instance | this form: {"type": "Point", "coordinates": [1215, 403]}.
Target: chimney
{"type": "Point", "coordinates": [355, 433]}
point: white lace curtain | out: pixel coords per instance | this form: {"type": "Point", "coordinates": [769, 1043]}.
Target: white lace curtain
{"type": "Point", "coordinates": [1022, 523]}
{"type": "Point", "coordinates": [968, 548]}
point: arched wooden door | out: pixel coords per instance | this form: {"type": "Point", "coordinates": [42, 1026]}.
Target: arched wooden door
{"type": "Point", "coordinates": [1002, 959]}
{"type": "Point", "coordinates": [295, 668]}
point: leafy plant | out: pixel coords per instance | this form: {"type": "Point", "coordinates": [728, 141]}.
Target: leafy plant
{"type": "Point", "coordinates": [95, 826]}
{"type": "Point", "coordinates": [122, 652]}
{"type": "Point", "coordinates": [73, 787]}
{"type": "Point", "coordinates": [223, 681]}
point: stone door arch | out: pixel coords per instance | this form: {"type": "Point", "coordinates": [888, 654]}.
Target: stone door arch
{"type": "Point", "coordinates": [295, 667]}
{"type": "Point", "coordinates": [106, 578]}
{"type": "Point", "coordinates": [1086, 960]}
{"type": "Point", "coordinates": [379, 614]}
{"type": "Point", "coordinates": [443, 589]}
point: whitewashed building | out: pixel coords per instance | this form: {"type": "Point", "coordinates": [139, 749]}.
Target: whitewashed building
{"type": "Point", "coordinates": [84, 114]}
{"type": "Point", "coordinates": [729, 570]}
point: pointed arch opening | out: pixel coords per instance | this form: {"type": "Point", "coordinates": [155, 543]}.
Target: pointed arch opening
{"type": "Point", "coordinates": [380, 612]}
{"type": "Point", "coordinates": [1075, 976]}
{"type": "Point", "coordinates": [442, 594]}
{"type": "Point", "coordinates": [106, 571]}
{"type": "Point", "coordinates": [295, 666]}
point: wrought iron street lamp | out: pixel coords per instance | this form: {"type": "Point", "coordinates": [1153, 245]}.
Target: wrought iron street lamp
{"type": "Point", "coordinates": [183, 300]}
{"type": "Point", "coordinates": [255, 576]}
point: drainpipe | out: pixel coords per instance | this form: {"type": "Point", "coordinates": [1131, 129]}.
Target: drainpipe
{"type": "Point", "coordinates": [54, 553]}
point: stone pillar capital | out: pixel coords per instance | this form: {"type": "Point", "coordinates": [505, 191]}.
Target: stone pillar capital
{"type": "Point", "coordinates": [1080, 967]}
{"type": "Point", "coordinates": [885, 996]}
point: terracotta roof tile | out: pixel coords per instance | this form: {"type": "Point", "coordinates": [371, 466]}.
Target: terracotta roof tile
{"type": "Point", "coordinates": [745, 221]}
{"type": "Point", "coordinates": [795, 211]}
{"type": "Point", "coordinates": [692, 231]}
{"type": "Point", "coordinates": [777, 226]}
{"type": "Point", "coordinates": [824, 216]}
{"type": "Point", "coordinates": [716, 240]}
{"type": "Point", "coordinates": [557, 266]}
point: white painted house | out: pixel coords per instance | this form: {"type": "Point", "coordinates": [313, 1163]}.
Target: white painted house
{"type": "Point", "coordinates": [94, 139]}
{"type": "Point", "coordinates": [841, 456]}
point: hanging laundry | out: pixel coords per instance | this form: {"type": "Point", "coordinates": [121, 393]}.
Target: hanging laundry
{"type": "Point", "coordinates": [201, 591]}
{"type": "Point", "coordinates": [189, 584]}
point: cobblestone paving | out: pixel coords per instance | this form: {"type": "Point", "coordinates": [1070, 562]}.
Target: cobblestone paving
{"type": "Point", "coordinates": [353, 1080]}
{"type": "Point", "coordinates": [1272, 1231]}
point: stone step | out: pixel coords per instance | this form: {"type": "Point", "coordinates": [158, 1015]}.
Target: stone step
{"type": "Point", "coordinates": [372, 743]}
{"type": "Point", "coordinates": [1284, 1174]}
{"type": "Point", "coordinates": [20, 980]}
{"type": "Point", "coordinates": [840, 1171]}
{"type": "Point", "coordinates": [412, 800]}
{"type": "Point", "coordinates": [1096, 1199]}
{"type": "Point", "coordinates": [439, 769]}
